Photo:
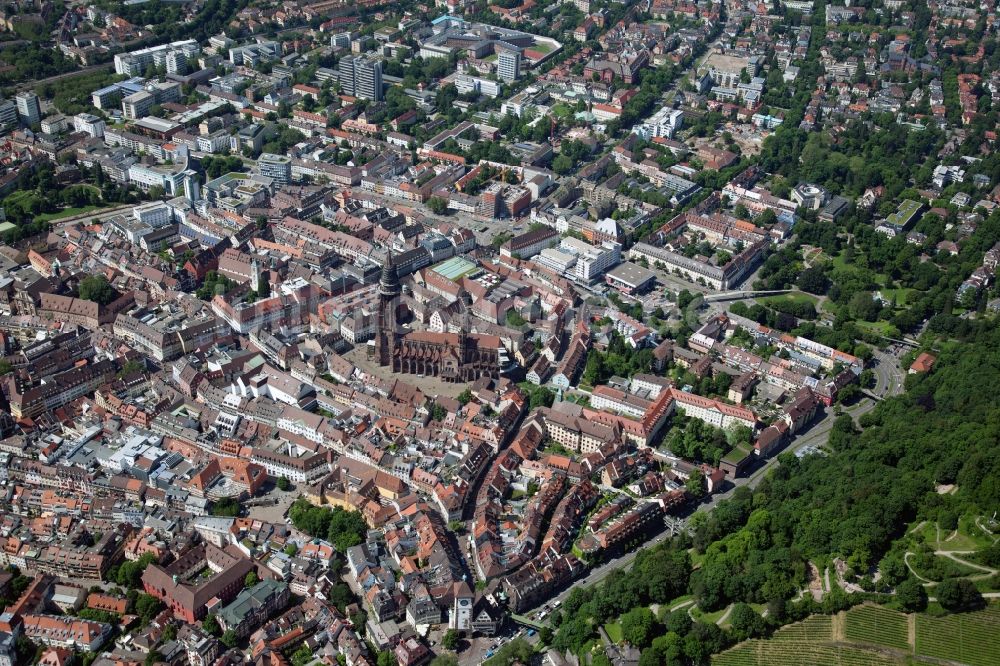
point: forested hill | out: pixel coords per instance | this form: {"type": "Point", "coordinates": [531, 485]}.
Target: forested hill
{"type": "Point", "coordinates": [944, 430]}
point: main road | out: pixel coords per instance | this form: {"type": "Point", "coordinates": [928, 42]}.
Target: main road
{"type": "Point", "coordinates": [33, 85]}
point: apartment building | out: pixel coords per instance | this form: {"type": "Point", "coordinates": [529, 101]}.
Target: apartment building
{"type": "Point", "coordinates": [59, 389]}
{"type": "Point", "coordinates": [713, 412]}
{"type": "Point", "coordinates": [66, 632]}
{"type": "Point", "coordinates": [361, 77]}
{"type": "Point", "coordinates": [576, 433]}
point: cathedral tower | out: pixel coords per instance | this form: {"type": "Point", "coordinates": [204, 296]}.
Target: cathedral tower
{"type": "Point", "coordinates": [388, 301]}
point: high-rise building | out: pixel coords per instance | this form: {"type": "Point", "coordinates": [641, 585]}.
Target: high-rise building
{"type": "Point", "coordinates": [28, 107]}
{"type": "Point", "coordinates": [346, 68]}
{"type": "Point", "coordinates": [8, 112]}
{"type": "Point", "coordinates": [278, 167]}
{"type": "Point", "coordinates": [177, 62]}
{"type": "Point", "coordinates": [368, 79]}
{"type": "Point", "coordinates": [361, 77]}
{"type": "Point", "coordinates": [509, 65]}
{"type": "Point", "coordinates": [192, 186]}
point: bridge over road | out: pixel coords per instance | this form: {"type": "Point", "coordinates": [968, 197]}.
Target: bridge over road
{"type": "Point", "coordinates": [740, 295]}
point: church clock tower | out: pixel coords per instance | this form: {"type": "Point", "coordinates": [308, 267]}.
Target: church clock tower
{"type": "Point", "coordinates": [388, 300]}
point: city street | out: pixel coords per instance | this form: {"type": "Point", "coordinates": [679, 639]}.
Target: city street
{"type": "Point", "coordinates": [889, 377]}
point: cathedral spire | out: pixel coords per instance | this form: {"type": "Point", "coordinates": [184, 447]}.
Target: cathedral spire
{"type": "Point", "coordinates": [389, 283]}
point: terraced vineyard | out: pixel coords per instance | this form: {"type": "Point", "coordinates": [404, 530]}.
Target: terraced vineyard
{"type": "Point", "coordinates": [800, 653]}
{"type": "Point", "coordinates": [877, 625]}
{"type": "Point", "coordinates": [817, 628]}
{"type": "Point", "coordinates": [971, 638]}
{"type": "Point", "coordinates": [875, 636]}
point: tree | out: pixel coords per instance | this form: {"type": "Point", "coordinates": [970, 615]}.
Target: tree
{"type": "Point", "coordinates": [227, 507]}
{"type": "Point", "coordinates": [562, 165]}
{"type": "Point", "coordinates": [438, 205]}
{"type": "Point", "coordinates": [387, 658]}
{"type": "Point", "coordinates": [211, 626]}
{"type": "Point", "coordinates": [130, 573]}
{"type": "Point", "coordinates": [813, 280]}
{"type": "Point", "coordinates": [97, 289]}
{"type": "Point", "coordinates": [746, 622]}
{"type": "Point", "coordinates": [302, 656]}
{"type": "Point", "coordinates": [958, 595]}
{"type": "Point", "coordinates": [639, 626]}
{"type": "Point", "coordinates": [341, 527]}
{"type": "Point", "coordinates": [679, 622]}
{"type": "Point", "coordinates": [250, 579]}
{"type": "Point", "coordinates": [147, 606]}
{"type": "Point", "coordinates": [695, 484]}
{"type": "Point", "coordinates": [284, 484]}
{"type": "Point", "coordinates": [911, 595]}
{"type": "Point", "coordinates": [229, 638]}
{"type": "Point", "coordinates": [451, 639]}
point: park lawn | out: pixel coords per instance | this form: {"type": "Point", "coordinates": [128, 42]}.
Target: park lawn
{"type": "Point", "coordinates": [66, 212]}
{"type": "Point", "coordinates": [969, 536]}
{"type": "Point", "coordinates": [708, 618]}
{"type": "Point", "coordinates": [990, 584]}
{"type": "Point", "coordinates": [679, 600]}
{"type": "Point", "coordinates": [794, 297]}
{"type": "Point", "coordinates": [952, 568]}
{"type": "Point", "coordinates": [838, 262]}
{"type": "Point", "coordinates": [903, 295]}
{"type": "Point", "coordinates": [878, 327]}
{"type": "Point", "coordinates": [614, 630]}
{"type": "Point", "coordinates": [815, 255]}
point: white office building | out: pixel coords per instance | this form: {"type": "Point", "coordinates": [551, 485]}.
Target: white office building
{"type": "Point", "coordinates": [146, 177]}
{"type": "Point", "coordinates": [136, 62]}
{"type": "Point", "coordinates": [276, 167]}
{"type": "Point", "coordinates": [89, 124]}
{"type": "Point", "coordinates": [509, 65]}
{"type": "Point", "coordinates": [28, 107]}
{"type": "Point", "coordinates": [154, 214]}
{"type": "Point", "coordinates": [664, 122]}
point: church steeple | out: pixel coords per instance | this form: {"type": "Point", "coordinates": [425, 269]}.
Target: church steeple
{"type": "Point", "coordinates": [255, 275]}
{"type": "Point", "coordinates": [466, 322]}
{"type": "Point", "coordinates": [388, 293]}
{"type": "Point", "coordinates": [388, 285]}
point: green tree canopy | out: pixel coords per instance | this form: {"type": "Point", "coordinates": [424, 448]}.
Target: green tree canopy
{"type": "Point", "coordinates": [96, 288]}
